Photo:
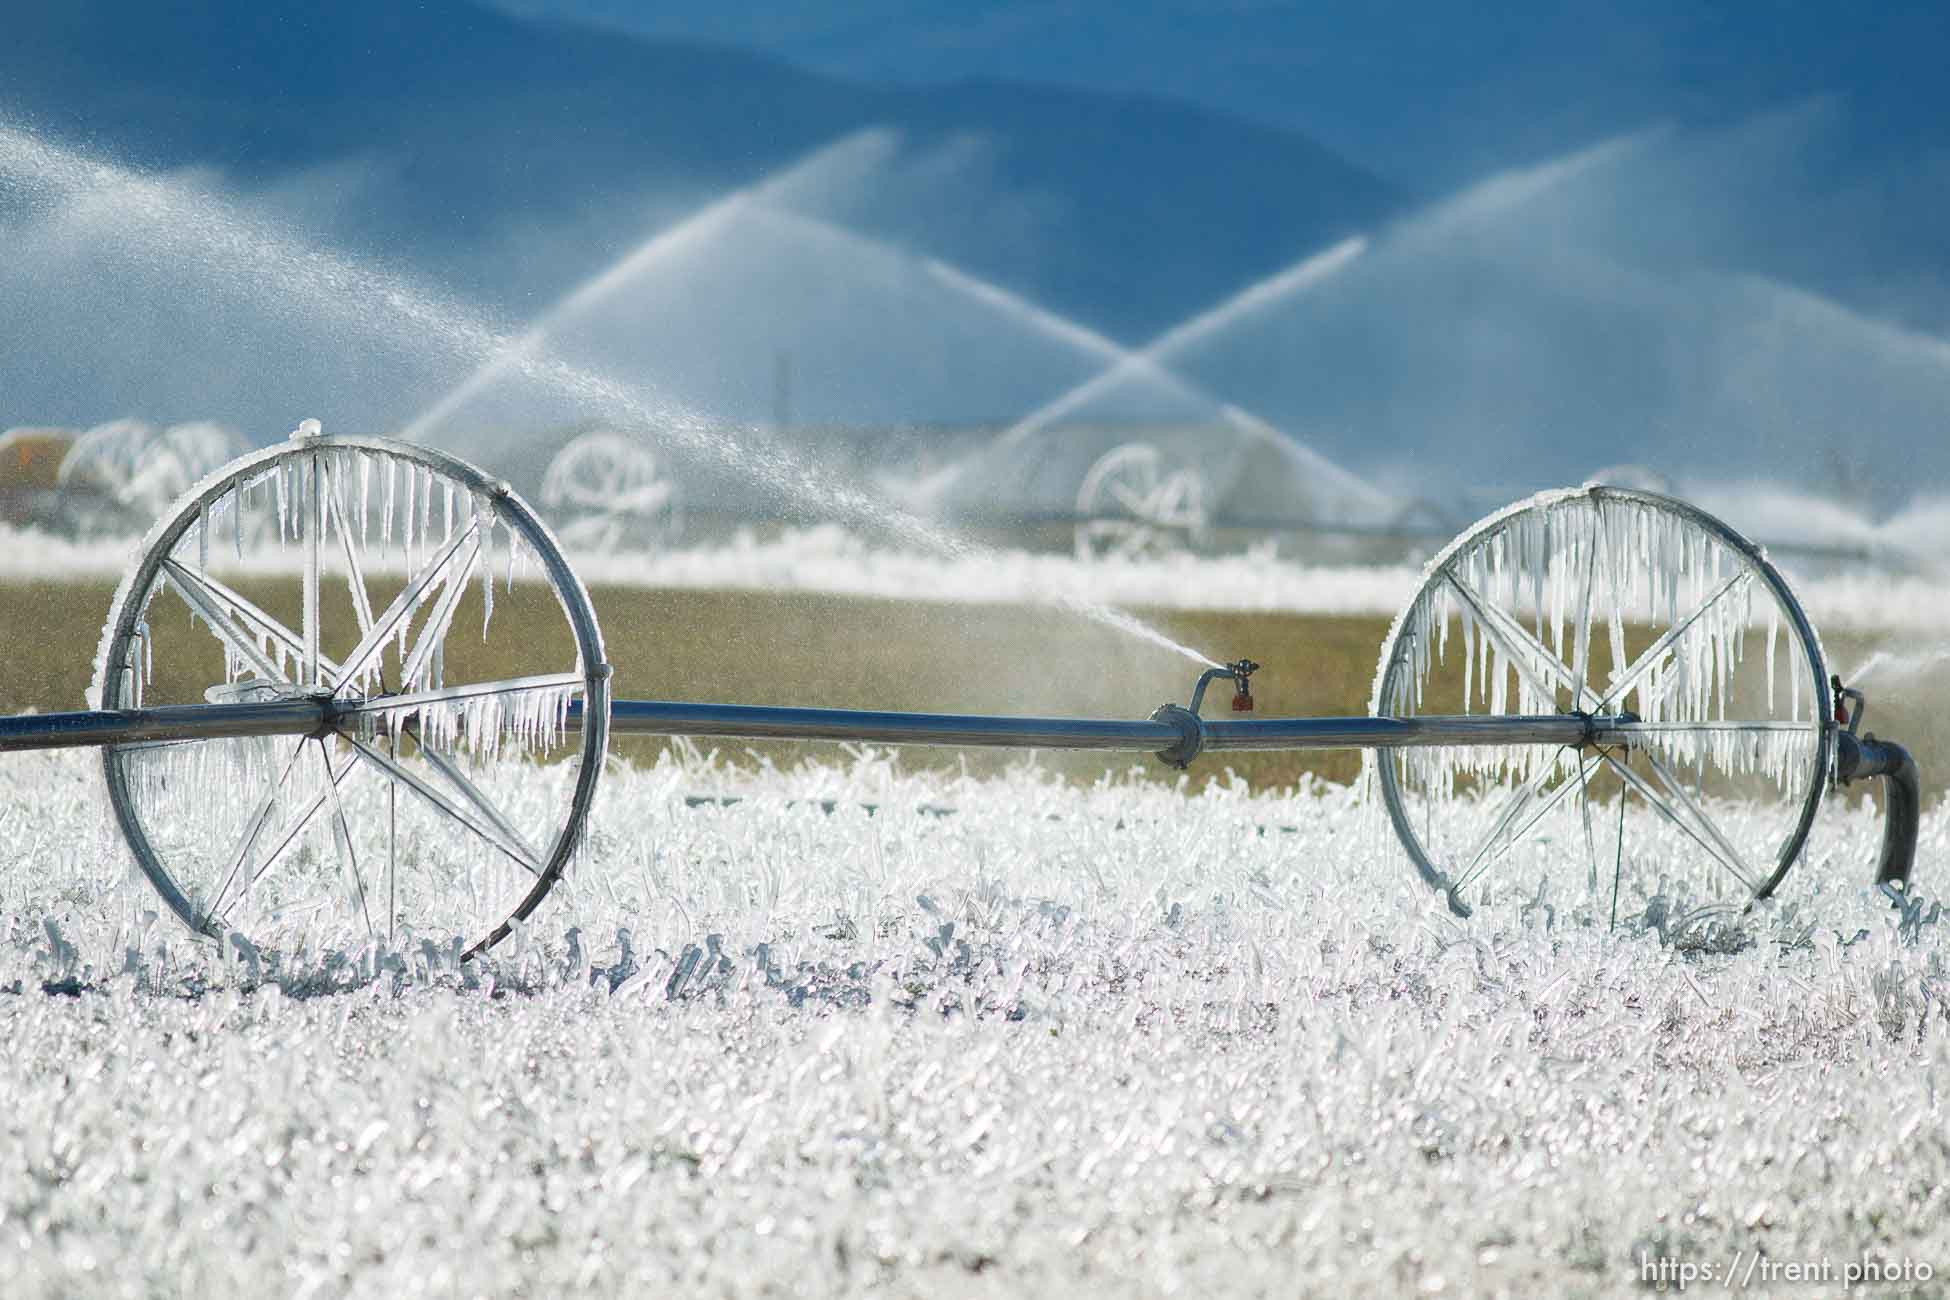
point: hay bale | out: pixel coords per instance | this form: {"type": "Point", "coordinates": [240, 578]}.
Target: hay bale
{"type": "Point", "coordinates": [31, 458]}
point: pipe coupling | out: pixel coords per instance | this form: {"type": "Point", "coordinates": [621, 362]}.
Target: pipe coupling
{"type": "Point", "coordinates": [1191, 734]}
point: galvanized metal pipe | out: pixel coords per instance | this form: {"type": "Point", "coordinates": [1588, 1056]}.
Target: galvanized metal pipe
{"type": "Point", "coordinates": [1395, 733]}
{"type": "Point", "coordinates": [762, 722]}
{"type": "Point", "coordinates": [165, 722]}
{"type": "Point", "coordinates": [759, 722]}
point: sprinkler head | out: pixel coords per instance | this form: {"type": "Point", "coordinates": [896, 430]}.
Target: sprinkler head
{"type": "Point", "coordinates": [1242, 694]}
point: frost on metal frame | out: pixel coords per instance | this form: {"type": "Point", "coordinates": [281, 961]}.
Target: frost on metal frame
{"type": "Point", "coordinates": [422, 544]}
{"type": "Point", "coordinates": [243, 822]}
{"type": "Point", "coordinates": [1530, 598]}
{"type": "Point", "coordinates": [1623, 606]}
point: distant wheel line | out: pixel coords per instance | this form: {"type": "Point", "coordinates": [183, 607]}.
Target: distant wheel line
{"type": "Point", "coordinates": [1130, 504]}
{"type": "Point", "coordinates": [604, 488]}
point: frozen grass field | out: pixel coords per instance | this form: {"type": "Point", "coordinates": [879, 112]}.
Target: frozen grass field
{"type": "Point", "coordinates": [1132, 1039]}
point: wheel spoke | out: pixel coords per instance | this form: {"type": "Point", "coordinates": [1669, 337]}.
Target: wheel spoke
{"type": "Point", "coordinates": [1584, 815]}
{"type": "Point", "coordinates": [1677, 788]}
{"type": "Point", "coordinates": [252, 829]}
{"type": "Point", "coordinates": [1497, 842]}
{"type": "Point", "coordinates": [219, 595]}
{"type": "Point", "coordinates": [1655, 653]}
{"type": "Point", "coordinates": [342, 836]}
{"type": "Point", "coordinates": [1581, 635]}
{"type": "Point", "coordinates": [1504, 816]}
{"type": "Point", "coordinates": [1134, 500]}
{"type": "Point", "coordinates": [313, 478]}
{"type": "Point", "coordinates": [1608, 730]}
{"type": "Point", "coordinates": [1666, 810]}
{"type": "Point", "coordinates": [1524, 651]}
{"type": "Point", "coordinates": [206, 605]}
{"type": "Point", "coordinates": [1586, 766]}
{"type": "Point", "coordinates": [392, 848]}
{"type": "Point", "coordinates": [142, 746]}
{"type": "Point", "coordinates": [288, 835]}
{"type": "Point", "coordinates": [1126, 537]}
{"type": "Point", "coordinates": [355, 574]}
{"type": "Point", "coordinates": [486, 834]}
{"type": "Point", "coordinates": [403, 606]}
{"type": "Point", "coordinates": [447, 767]}
{"type": "Point", "coordinates": [442, 617]}
{"type": "Point", "coordinates": [411, 700]}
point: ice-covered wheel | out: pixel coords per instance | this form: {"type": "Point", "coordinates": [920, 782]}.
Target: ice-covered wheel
{"type": "Point", "coordinates": [1133, 504]}
{"type": "Point", "coordinates": [1710, 697]}
{"type": "Point", "coordinates": [393, 581]}
{"type": "Point", "coordinates": [604, 491]}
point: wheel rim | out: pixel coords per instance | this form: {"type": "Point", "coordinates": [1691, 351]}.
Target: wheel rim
{"type": "Point", "coordinates": [1607, 600]}
{"type": "Point", "coordinates": [604, 491]}
{"type": "Point", "coordinates": [356, 569]}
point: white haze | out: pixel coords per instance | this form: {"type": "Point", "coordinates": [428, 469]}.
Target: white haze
{"type": "Point", "coordinates": [1541, 323]}
{"type": "Point", "coordinates": [1557, 318]}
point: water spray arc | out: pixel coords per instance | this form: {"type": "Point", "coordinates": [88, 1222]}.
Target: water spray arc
{"type": "Point", "coordinates": [1485, 201]}
{"type": "Point", "coordinates": [762, 202]}
{"type": "Point", "coordinates": [667, 244]}
{"type": "Point", "coordinates": [1124, 363]}
{"type": "Point", "coordinates": [1151, 358]}
{"type": "Point", "coordinates": [174, 221]}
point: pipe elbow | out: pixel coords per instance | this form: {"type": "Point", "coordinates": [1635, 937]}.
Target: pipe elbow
{"type": "Point", "coordinates": [1865, 756]}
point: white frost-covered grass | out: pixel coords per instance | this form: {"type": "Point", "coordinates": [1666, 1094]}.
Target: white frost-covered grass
{"type": "Point", "coordinates": [830, 560]}
{"type": "Point", "coordinates": [1125, 1040]}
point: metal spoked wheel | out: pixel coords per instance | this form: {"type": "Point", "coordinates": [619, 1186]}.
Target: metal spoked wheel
{"type": "Point", "coordinates": [1134, 505]}
{"type": "Point", "coordinates": [384, 578]}
{"type": "Point", "coordinates": [1707, 684]}
{"type": "Point", "coordinates": [133, 471]}
{"type": "Point", "coordinates": [604, 492]}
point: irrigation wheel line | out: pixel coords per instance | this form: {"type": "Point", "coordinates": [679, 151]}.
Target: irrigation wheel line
{"type": "Point", "coordinates": [268, 835]}
{"type": "Point", "coordinates": [321, 761]}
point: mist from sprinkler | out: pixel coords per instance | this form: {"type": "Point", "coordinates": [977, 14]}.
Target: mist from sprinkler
{"type": "Point", "coordinates": [253, 256]}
